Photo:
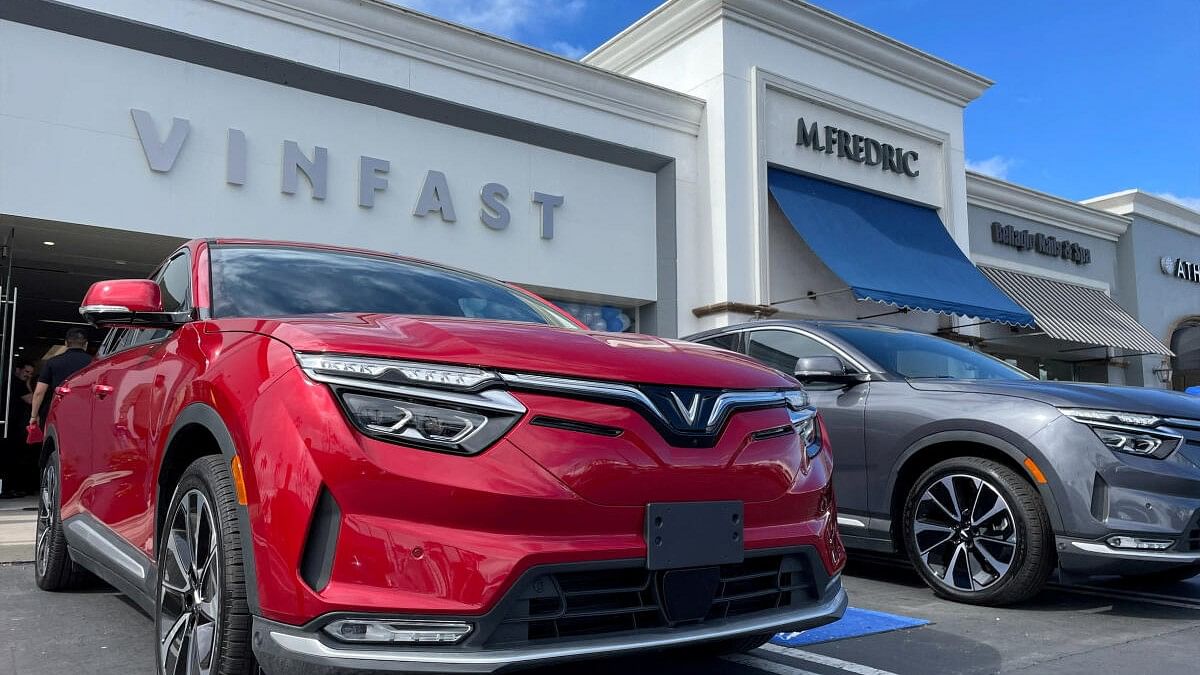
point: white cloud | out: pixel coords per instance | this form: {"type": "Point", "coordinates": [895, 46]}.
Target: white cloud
{"type": "Point", "coordinates": [508, 18]}
{"type": "Point", "coordinates": [567, 49]}
{"type": "Point", "coordinates": [996, 167]}
{"type": "Point", "coordinates": [1192, 203]}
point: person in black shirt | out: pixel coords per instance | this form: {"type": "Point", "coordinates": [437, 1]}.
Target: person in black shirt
{"type": "Point", "coordinates": [57, 370]}
{"type": "Point", "coordinates": [13, 455]}
{"type": "Point", "coordinates": [20, 393]}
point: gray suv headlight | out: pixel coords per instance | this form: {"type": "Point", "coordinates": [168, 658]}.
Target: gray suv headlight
{"type": "Point", "coordinates": [428, 406]}
{"type": "Point", "coordinates": [1130, 433]}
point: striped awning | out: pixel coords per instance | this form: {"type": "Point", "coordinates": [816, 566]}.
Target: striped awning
{"type": "Point", "coordinates": [1076, 313]}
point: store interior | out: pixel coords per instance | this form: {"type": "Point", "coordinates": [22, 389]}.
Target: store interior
{"type": "Point", "coordinates": [48, 266]}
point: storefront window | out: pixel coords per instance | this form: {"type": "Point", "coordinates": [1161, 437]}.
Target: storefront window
{"type": "Point", "coordinates": [1186, 365]}
{"type": "Point", "coordinates": [600, 317]}
{"type": "Point", "coordinates": [1058, 370]}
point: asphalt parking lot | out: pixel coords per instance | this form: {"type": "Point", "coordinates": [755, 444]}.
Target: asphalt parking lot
{"type": "Point", "coordinates": [1100, 628]}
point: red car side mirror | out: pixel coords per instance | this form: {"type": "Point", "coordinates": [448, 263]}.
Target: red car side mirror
{"type": "Point", "coordinates": [125, 302]}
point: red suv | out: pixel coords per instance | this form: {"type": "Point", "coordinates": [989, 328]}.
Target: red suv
{"type": "Point", "coordinates": [308, 459]}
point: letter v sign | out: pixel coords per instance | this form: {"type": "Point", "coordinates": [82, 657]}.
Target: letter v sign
{"type": "Point", "coordinates": [160, 156]}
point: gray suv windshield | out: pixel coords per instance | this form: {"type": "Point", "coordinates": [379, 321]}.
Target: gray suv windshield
{"type": "Point", "coordinates": [913, 355]}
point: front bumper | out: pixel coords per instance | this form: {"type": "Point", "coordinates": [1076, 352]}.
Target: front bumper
{"type": "Point", "coordinates": [1100, 493]}
{"type": "Point", "coordinates": [288, 650]}
{"type": "Point", "coordinates": [342, 523]}
{"type": "Point", "coordinates": [1096, 558]}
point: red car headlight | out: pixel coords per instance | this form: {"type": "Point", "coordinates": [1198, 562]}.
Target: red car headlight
{"type": "Point", "coordinates": [436, 425]}
{"type": "Point", "coordinates": [423, 405]}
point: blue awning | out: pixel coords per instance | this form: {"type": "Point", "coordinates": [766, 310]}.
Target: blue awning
{"type": "Point", "coordinates": [890, 251]}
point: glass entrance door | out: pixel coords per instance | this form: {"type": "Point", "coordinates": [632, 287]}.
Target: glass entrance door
{"type": "Point", "coordinates": [1186, 365]}
{"type": "Point", "coordinates": [11, 428]}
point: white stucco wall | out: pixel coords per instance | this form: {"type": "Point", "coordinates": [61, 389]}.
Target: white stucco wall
{"type": "Point", "coordinates": [757, 79]}
{"type": "Point", "coordinates": [72, 152]}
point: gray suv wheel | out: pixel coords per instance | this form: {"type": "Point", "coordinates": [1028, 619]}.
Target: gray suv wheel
{"type": "Point", "coordinates": [977, 532]}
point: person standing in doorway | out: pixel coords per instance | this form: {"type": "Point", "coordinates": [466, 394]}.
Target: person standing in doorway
{"type": "Point", "coordinates": [56, 371]}
{"type": "Point", "coordinates": [13, 456]}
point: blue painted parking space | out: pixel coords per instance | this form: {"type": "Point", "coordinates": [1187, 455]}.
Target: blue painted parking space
{"type": "Point", "coordinates": [855, 623]}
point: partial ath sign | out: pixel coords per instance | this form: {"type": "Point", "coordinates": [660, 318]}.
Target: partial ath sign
{"type": "Point", "coordinates": [1179, 268]}
{"type": "Point", "coordinates": [857, 148]}
{"type": "Point", "coordinates": [1047, 245]}
{"type": "Point", "coordinates": [433, 197]}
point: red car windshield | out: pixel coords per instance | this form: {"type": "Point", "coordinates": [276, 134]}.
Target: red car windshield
{"type": "Point", "coordinates": [289, 281]}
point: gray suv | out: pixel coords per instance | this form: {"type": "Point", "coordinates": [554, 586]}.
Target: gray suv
{"type": "Point", "coordinates": [987, 478]}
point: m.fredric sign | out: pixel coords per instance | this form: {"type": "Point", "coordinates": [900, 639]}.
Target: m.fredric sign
{"type": "Point", "coordinates": [856, 148]}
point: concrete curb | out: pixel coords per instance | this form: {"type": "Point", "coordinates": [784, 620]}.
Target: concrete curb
{"type": "Point", "coordinates": [18, 529]}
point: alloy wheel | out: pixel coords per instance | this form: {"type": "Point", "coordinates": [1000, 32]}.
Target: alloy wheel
{"type": "Point", "coordinates": [47, 498]}
{"type": "Point", "coordinates": [965, 532]}
{"type": "Point", "coordinates": [190, 589]}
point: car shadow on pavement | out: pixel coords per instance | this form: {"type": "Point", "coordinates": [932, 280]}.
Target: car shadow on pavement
{"type": "Point", "coordinates": [879, 567]}
{"type": "Point", "coordinates": [665, 663]}
{"type": "Point", "coordinates": [897, 571]}
{"type": "Point", "coordinates": [917, 651]}
{"type": "Point", "coordinates": [1071, 602]}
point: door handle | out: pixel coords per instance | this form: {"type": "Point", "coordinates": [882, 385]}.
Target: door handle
{"type": "Point", "coordinates": [61, 390]}
{"type": "Point", "coordinates": [102, 390]}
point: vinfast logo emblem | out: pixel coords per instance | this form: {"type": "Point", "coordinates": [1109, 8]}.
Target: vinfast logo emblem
{"type": "Point", "coordinates": [685, 409]}
{"type": "Point", "coordinates": [689, 411]}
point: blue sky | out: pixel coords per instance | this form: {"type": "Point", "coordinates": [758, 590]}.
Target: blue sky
{"type": "Point", "coordinates": [1091, 96]}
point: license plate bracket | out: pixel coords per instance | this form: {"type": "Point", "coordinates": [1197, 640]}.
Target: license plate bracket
{"type": "Point", "coordinates": [694, 534]}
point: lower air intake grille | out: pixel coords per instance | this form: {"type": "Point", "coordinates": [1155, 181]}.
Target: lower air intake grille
{"type": "Point", "coordinates": [575, 604]}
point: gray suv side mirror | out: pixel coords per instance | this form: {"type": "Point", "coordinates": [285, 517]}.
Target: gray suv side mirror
{"type": "Point", "coordinates": [825, 369]}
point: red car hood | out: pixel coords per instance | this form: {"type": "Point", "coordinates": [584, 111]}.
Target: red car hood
{"type": "Point", "coordinates": [524, 347]}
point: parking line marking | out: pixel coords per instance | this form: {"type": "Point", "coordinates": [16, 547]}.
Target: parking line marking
{"type": "Point", "coordinates": [1129, 596]}
{"type": "Point", "coordinates": [765, 665]}
{"type": "Point", "coordinates": [848, 666]}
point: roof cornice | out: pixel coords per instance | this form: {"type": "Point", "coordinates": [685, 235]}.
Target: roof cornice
{"type": "Point", "coordinates": [1146, 205]}
{"type": "Point", "coordinates": [1017, 200]}
{"type": "Point", "coordinates": [804, 24]}
{"type": "Point", "coordinates": [425, 38]}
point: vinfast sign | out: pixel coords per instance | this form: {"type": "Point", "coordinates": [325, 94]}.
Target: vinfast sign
{"type": "Point", "coordinates": [433, 197]}
{"type": "Point", "coordinates": [856, 148]}
{"type": "Point", "coordinates": [1048, 245]}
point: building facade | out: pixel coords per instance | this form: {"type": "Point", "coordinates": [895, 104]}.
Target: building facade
{"type": "Point", "coordinates": [1159, 263]}
{"type": "Point", "coordinates": [717, 161]}
{"type": "Point", "coordinates": [1060, 260]}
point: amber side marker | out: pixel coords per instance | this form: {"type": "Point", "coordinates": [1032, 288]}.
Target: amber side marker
{"type": "Point", "coordinates": [239, 482]}
{"type": "Point", "coordinates": [1035, 471]}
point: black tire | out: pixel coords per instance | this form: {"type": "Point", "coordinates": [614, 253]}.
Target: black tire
{"type": "Point", "coordinates": [206, 486]}
{"type": "Point", "coordinates": [53, 567]}
{"type": "Point", "coordinates": [1019, 534]}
